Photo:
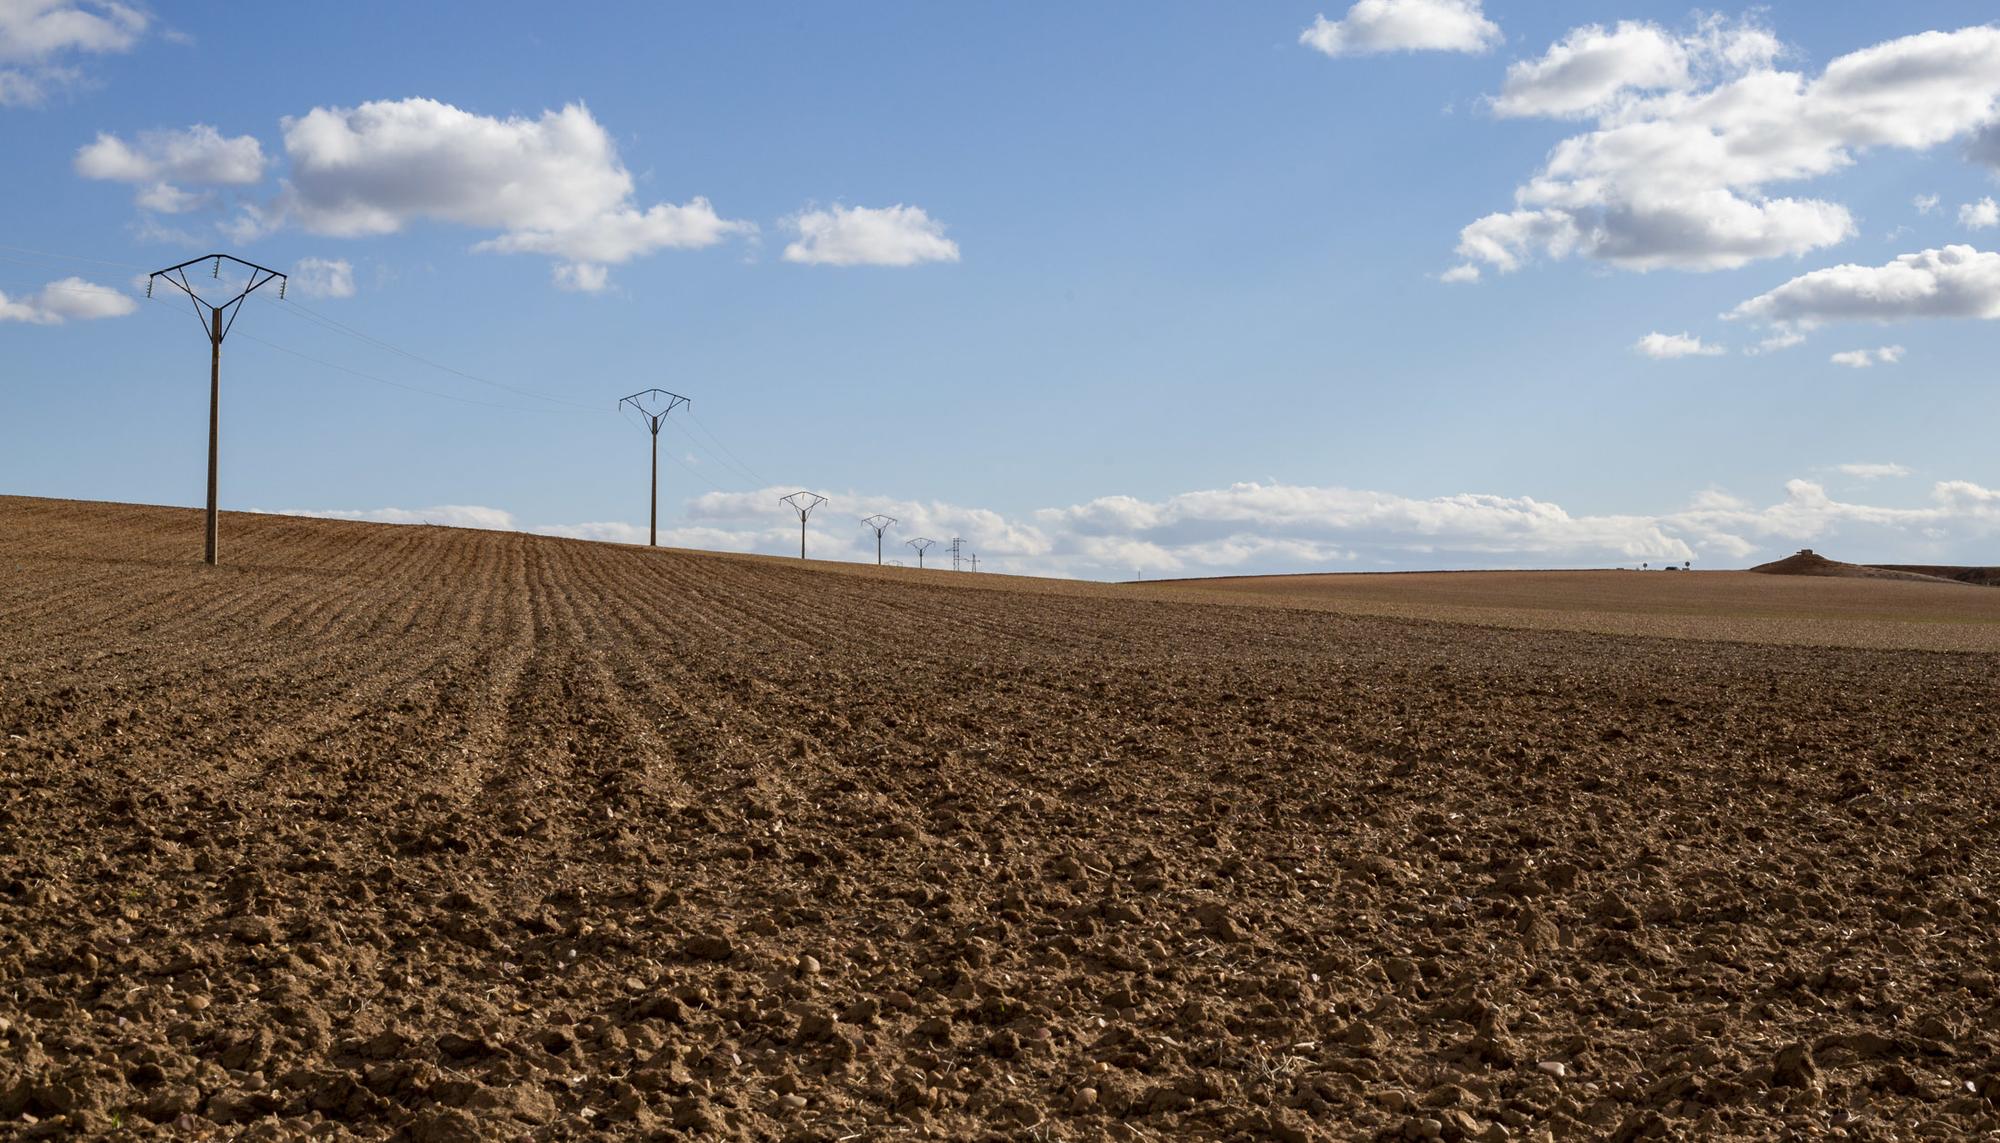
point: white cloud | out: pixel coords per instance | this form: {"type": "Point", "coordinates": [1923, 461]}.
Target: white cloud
{"type": "Point", "coordinates": [1665, 346]}
{"type": "Point", "coordinates": [166, 198]}
{"type": "Point", "coordinates": [1956, 281]}
{"type": "Point", "coordinates": [869, 236]}
{"type": "Point", "coordinates": [1404, 26]}
{"type": "Point", "coordinates": [37, 36]}
{"type": "Point", "coordinates": [1925, 203]}
{"type": "Point", "coordinates": [446, 515]}
{"type": "Point", "coordinates": [1782, 339]}
{"type": "Point", "coordinates": [582, 277]}
{"type": "Point", "coordinates": [322, 278]}
{"type": "Point", "coordinates": [1462, 273]}
{"type": "Point", "coordinates": [552, 185]}
{"type": "Point", "coordinates": [1866, 471]}
{"type": "Point", "coordinates": [161, 161]}
{"type": "Point", "coordinates": [1249, 528]}
{"type": "Point", "coordinates": [1585, 69]}
{"type": "Point", "coordinates": [1863, 358]}
{"type": "Point", "coordinates": [1676, 170]}
{"type": "Point", "coordinates": [1592, 69]}
{"type": "Point", "coordinates": [1979, 215]}
{"type": "Point", "coordinates": [64, 299]}
{"type": "Point", "coordinates": [199, 154]}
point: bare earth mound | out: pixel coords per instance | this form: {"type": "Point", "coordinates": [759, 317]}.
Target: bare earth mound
{"type": "Point", "coordinates": [427, 834]}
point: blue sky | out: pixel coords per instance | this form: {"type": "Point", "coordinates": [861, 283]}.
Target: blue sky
{"type": "Point", "coordinates": [1102, 288]}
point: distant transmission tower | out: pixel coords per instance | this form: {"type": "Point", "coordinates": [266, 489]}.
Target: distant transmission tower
{"type": "Point", "coordinates": [921, 544]}
{"type": "Point", "coordinates": [216, 329]}
{"type": "Point", "coordinates": [803, 503]}
{"type": "Point", "coordinates": [881, 524]}
{"type": "Point", "coordinates": [974, 557]}
{"type": "Point", "coordinates": [646, 403]}
{"type": "Point", "coordinates": [956, 556]}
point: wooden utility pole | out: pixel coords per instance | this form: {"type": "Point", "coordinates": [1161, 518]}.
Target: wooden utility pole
{"type": "Point", "coordinates": [803, 503]}
{"type": "Point", "coordinates": [216, 329]}
{"type": "Point", "coordinates": [654, 405]}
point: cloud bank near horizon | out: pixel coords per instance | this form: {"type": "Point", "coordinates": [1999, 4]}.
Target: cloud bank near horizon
{"type": "Point", "coordinates": [1254, 527]}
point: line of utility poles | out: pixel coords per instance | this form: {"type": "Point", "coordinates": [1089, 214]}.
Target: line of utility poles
{"type": "Point", "coordinates": [216, 329]}
{"type": "Point", "coordinates": [654, 405]}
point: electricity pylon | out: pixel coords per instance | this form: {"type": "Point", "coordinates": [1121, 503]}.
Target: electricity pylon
{"type": "Point", "coordinates": [956, 543]}
{"type": "Point", "coordinates": [881, 524]}
{"type": "Point", "coordinates": [974, 557]}
{"type": "Point", "coordinates": [920, 543]}
{"type": "Point", "coordinates": [646, 402]}
{"type": "Point", "coordinates": [216, 329]}
{"type": "Point", "coordinates": [803, 503]}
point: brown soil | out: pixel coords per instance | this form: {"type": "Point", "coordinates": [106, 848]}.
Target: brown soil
{"type": "Point", "coordinates": [416, 833]}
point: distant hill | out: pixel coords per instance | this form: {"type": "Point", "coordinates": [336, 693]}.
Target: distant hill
{"type": "Point", "coordinates": [1809, 562]}
{"type": "Point", "coordinates": [1984, 577]}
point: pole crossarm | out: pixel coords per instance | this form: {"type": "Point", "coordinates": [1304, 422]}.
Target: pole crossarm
{"type": "Point", "coordinates": [803, 502]}
{"type": "Point", "coordinates": [654, 405]}
{"type": "Point", "coordinates": [176, 276]}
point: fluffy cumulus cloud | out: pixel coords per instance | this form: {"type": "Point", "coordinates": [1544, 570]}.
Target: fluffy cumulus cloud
{"type": "Point", "coordinates": [1693, 133]}
{"type": "Point", "coordinates": [869, 236]}
{"type": "Point", "coordinates": [1865, 358]}
{"type": "Point", "coordinates": [68, 298]}
{"type": "Point", "coordinates": [1874, 470]}
{"type": "Point", "coordinates": [1667, 346]}
{"type": "Point", "coordinates": [199, 154]}
{"type": "Point", "coordinates": [322, 278]}
{"type": "Point", "coordinates": [1252, 528]}
{"type": "Point", "coordinates": [1956, 524]}
{"type": "Point", "coordinates": [1404, 26]}
{"type": "Point", "coordinates": [551, 185]}
{"type": "Point", "coordinates": [41, 39]}
{"type": "Point", "coordinates": [1981, 215]}
{"type": "Point", "coordinates": [1953, 282]}
{"type": "Point", "coordinates": [163, 164]}
{"type": "Point", "coordinates": [1587, 69]}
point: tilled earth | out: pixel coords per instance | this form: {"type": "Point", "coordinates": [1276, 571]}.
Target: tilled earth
{"type": "Point", "coordinates": [414, 833]}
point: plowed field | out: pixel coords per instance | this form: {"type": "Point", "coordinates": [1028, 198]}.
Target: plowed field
{"type": "Point", "coordinates": [437, 835]}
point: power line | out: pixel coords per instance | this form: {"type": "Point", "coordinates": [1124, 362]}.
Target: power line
{"type": "Point", "coordinates": [71, 257]}
{"type": "Point", "coordinates": [306, 313]}
{"type": "Point", "coordinates": [740, 465]}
